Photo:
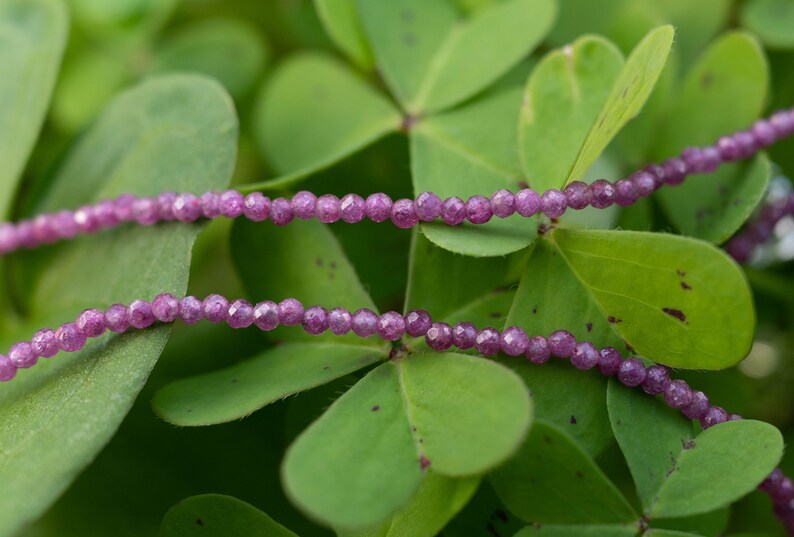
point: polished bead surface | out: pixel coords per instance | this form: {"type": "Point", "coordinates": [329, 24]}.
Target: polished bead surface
{"type": "Point", "coordinates": [165, 307]}
{"type": "Point", "coordinates": [527, 202]}
{"type": "Point", "coordinates": [603, 194]}
{"type": "Point", "coordinates": [562, 343]}
{"type": "Point", "coordinates": [698, 407]}
{"type": "Point", "coordinates": [391, 326]}
{"type": "Point", "coordinates": [609, 360]}
{"type": "Point", "coordinates": [315, 320]}
{"type": "Point", "coordinates": [464, 335]}
{"type": "Point", "coordinates": [44, 343]}
{"type": "Point", "coordinates": [290, 312]}
{"type": "Point", "coordinates": [139, 314]}
{"type": "Point", "coordinates": [215, 308]}
{"type": "Point", "coordinates": [478, 210]}
{"type": "Point", "coordinates": [379, 207]}
{"type": "Point", "coordinates": [677, 394]}
{"type": "Point", "coordinates": [266, 315]}
{"type": "Point", "coordinates": [538, 350]}
{"type": "Point", "coordinates": [187, 208]}
{"type": "Point", "coordinates": [117, 318]}
{"type": "Point", "coordinates": [514, 341]}
{"type": "Point", "coordinates": [327, 209]}
{"type": "Point", "coordinates": [70, 338]}
{"type": "Point", "coordinates": [91, 322]}
{"type": "Point", "coordinates": [578, 195]}
{"type": "Point", "coordinates": [303, 205]}
{"type": "Point", "coordinates": [256, 207]}
{"type": "Point", "coordinates": [585, 356]}
{"type": "Point", "coordinates": [190, 310]}
{"type": "Point", "coordinates": [240, 314]}
{"type": "Point", "coordinates": [340, 321]}
{"type": "Point", "coordinates": [7, 369]}
{"type": "Point", "coordinates": [503, 203]}
{"type": "Point", "coordinates": [210, 204]}
{"type": "Point", "coordinates": [439, 336]}
{"type": "Point", "coordinates": [22, 355]}
{"type": "Point", "coordinates": [281, 212]}
{"type": "Point", "coordinates": [656, 380]}
{"type": "Point", "coordinates": [631, 372]}
{"type": "Point", "coordinates": [417, 323]}
{"type": "Point", "coordinates": [487, 341]}
{"type": "Point", "coordinates": [353, 208]}
{"type": "Point", "coordinates": [231, 204]}
{"type": "Point", "coordinates": [427, 206]}
{"type": "Point", "coordinates": [454, 211]}
{"type": "Point", "coordinates": [403, 214]}
{"type": "Point", "coordinates": [625, 194]}
{"type": "Point", "coordinates": [365, 322]}
{"type": "Point", "coordinates": [553, 203]}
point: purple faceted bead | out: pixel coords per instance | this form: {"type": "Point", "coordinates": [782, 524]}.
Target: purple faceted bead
{"type": "Point", "coordinates": [240, 314]}
{"type": "Point", "coordinates": [677, 394]}
{"type": "Point", "coordinates": [403, 214]}
{"type": "Point", "coordinates": [43, 231]}
{"type": "Point", "coordinates": [191, 310]}
{"type": "Point", "coordinates": [538, 350]}
{"type": "Point", "coordinates": [741, 248]}
{"type": "Point", "coordinates": [728, 149]}
{"type": "Point", "coordinates": [26, 236]}
{"type": "Point", "coordinates": [631, 372]}
{"type": "Point", "coordinates": [7, 369]}
{"type": "Point", "coordinates": [379, 207]}
{"type": "Point", "coordinates": [487, 341]}
{"type": "Point", "coordinates": [391, 326]}
{"type": "Point", "coordinates": [165, 308]}
{"type": "Point", "coordinates": [585, 356]}
{"type": "Point", "coordinates": [70, 338]}
{"type": "Point", "coordinates": [714, 416]}
{"type": "Point", "coordinates": [91, 322]}
{"type": "Point", "coordinates": [503, 203]}
{"type": "Point", "coordinates": [698, 407]}
{"type": "Point", "coordinates": [674, 171]}
{"type": "Point", "coordinates": [146, 211]}
{"type": "Point", "coordinates": [694, 159]}
{"type": "Point", "coordinates": [427, 206]}
{"type": "Point", "coordinates": [746, 143]}
{"type": "Point", "coordinates": [439, 336]}
{"type": "Point", "coordinates": [315, 320]}
{"type": "Point", "coordinates": [290, 312]}
{"type": "Point", "coordinates": [187, 208]}
{"type": "Point", "coordinates": [527, 202]}
{"type": "Point", "coordinates": [214, 308]}
{"type": "Point", "coordinates": [764, 133]}
{"type": "Point", "coordinates": [644, 183]}
{"type": "Point", "coordinates": [327, 209]}
{"type": "Point", "coordinates": [603, 194]}
{"type": "Point", "coordinates": [353, 208]}
{"type": "Point", "coordinates": [772, 481]}
{"type": "Point", "coordinates": [609, 360]}
{"type": "Point", "coordinates": [340, 321]}
{"type": "Point", "coordinates": [8, 238]}
{"type": "Point", "coordinates": [44, 343]}
{"type": "Point", "coordinates": [711, 159]}
{"type": "Point", "coordinates": [784, 492]}
{"type": "Point", "coordinates": [105, 213]}
{"type": "Point", "coordinates": [464, 335]}
{"type": "Point", "coordinates": [117, 318]}
{"type": "Point", "coordinates": [562, 343]}
{"type": "Point", "coordinates": [478, 210]}
{"type": "Point", "coordinates": [454, 211]}
{"type": "Point", "coordinates": [266, 315]}
{"type": "Point", "coordinates": [625, 194]}
{"type": "Point", "coordinates": [123, 206]}
{"type": "Point", "coordinates": [734, 417]}
{"type": "Point", "coordinates": [578, 195]}
{"type": "Point", "coordinates": [231, 204]}
{"type": "Point", "coordinates": [514, 341]}
{"type": "Point", "coordinates": [64, 225]}
{"type": "Point", "coordinates": [256, 207]}
{"type": "Point", "coordinates": [783, 123]}
{"type": "Point", "coordinates": [417, 323]}
{"type": "Point", "coordinates": [553, 203]}
{"type": "Point", "coordinates": [140, 314]}
{"type": "Point", "coordinates": [303, 205]}
{"type": "Point", "coordinates": [365, 322]}
{"type": "Point", "coordinates": [210, 204]}
{"type": "Point", "coordinates": [84, 219]}
{"type": "Point", "coordinates": [22, 355]}
{"type": "Point", "coordinates": [165, 205]}
{"type": "Point", "coordinates": [656, 379]}
{"type": "Point", "coordinates": [281, 212]}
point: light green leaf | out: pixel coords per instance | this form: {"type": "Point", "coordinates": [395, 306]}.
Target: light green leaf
{"type": "Point", "coordinates": [393, 424]}
{"type": "Point", "coordinates": [438, 500]}
{"type": "Point", "coordinates": [699, 483]}
{"type": "Point", "coordinates": [237, 391]}
{"type": "Point", "coordinates": [216, 515]}
{"type": "Point", "coordinates": [170, 133]}
{"type": "Point", "coordinates": [771, 20]}
{"type": "Point", "coordinates": [650, 434]}
{"type": "Point", "coordinates": [471, 151]}
{"type": "Point", "coordinates": [314, 111]}
{"type": "Point", "coordinates": [551, 480]}
{"type": "Point", "coordinates": [32, 39]}
{"type": "Point", "coordinates": [432, 58]}
{"type": "Point", "coordinates": [670, 533]}
{"type": "Point", "coordinates": [341, 22]}
{"type": "Point", "coordinates": [121, 18]}
{"type": "Point", "coordinates": [546, 530]}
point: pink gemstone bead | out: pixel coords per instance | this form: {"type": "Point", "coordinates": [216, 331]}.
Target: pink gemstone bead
{"type": "Point", "coordinates": [454, 211]}
{"type": "Point", "coordinates": [7, 369]}
{"type": "Point", "coordinates": [231, 204]}
{"type": "Point", "coordinates": [187, 208]}
{"type": "Point", "coordinates": [256, 207]}
{"type": "Point", "coordinates": [327, 209]}
{"type": "Point", "coordinates": [117, 318]}
{"type": "Point", "coordinates": [165, 307]}
{"type": "Point", "coordinates": [379, 207]}
{"type": "Point", "coordinates": [22, 355]}
{"type": "Point", "coordinates": [303, 205]}
{"type": "Point", "coordinates": [353, 208]}
{"type": "Point", "coordinates": [91, 322]}
{"type": "Point", "coordinates": [266, 315]}
{"type": "Point", "coordinates": [190, 310]}
{"type": "Point", "coordinates": [240, 314]}
{"type": "Point", "coordinates": [70, 338]}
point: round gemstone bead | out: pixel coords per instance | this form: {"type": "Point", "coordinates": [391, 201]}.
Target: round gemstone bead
{"type": "Point", "coordinates": [117, 318]}
{"type": "Point", "coordinates": [191, 310]}
{"type": "Point", "coordinates": [711, 159]}
{"type": "Point", "coordinates": [7, 369]}
{"type": "Point", "coordinates": [674, 171]}
{"type": "Point", "coordinates": [84, 218]}
{"type": "Point", "coordinates": [44, 343]}
{"type": "Point", "coordinates": [784, 492]}
{"type": "Point", "coordinates": [514, 341]}
{"type": "Point", "coordinates": [783, 123]}
{"type": "Point", "coordinates": [340, 321]}
{"type": "Point", "coordinates": [478, 210]}
{"type": "Point", "coordinates": [464, 335]}
{"type": "Point", "coordinates": [281, 212]}
{"type": "Point", "coordinates": [26, 236]}
{"type": "Point", "coordinates": [657, 172]}
{"type": "Point", "coordinates": [439, 336]}
{"type": "Point", "coordinates": [365, 322]}
{"type": "Point", "coordinates": [625, 195]}
{"type": "Point", "coordinates": [210, 204]}
{"type": "Point", "coordinates": [64, 225]}
{"type": "Point", "coordinates": [553, 203]}
{"type": "Point", "coordinates": [503, 203]}
{"type": "Point", "coordinates": [677, 394]}
{"type": "Point", "coordinates": [315, 320]}
{"type": "Point", "coordinates": [454, 211]}
{"type": "Point", "coordinates": [303, 205]}
{"type": "Point", "coordinates": [123, 206]}
{"type": "Point", "coordinates": [631, 372]}
{"type": "Point", "coordinates": [417, 323]}
{"type": "Point", "coordinates": [772, 481]}
{"type": "Point", "coordinates": [165, 205]}
{"type": "Point", "coordinates": [187, 208]}
{"type": "Point", "coordinates": [22, 355]}
{"type": "Point", "coordinates": [256, 207]}
{"type": "Point", "coordinates": [427, 206]}
{"type": "Point", "coordinates": [585, 356]}
{"type": "Point", "coordinates": [698, 407]}
{"type": "Point", "coordinates": [146, 211]}
{"type": "Point", "coordinates": [562, 343]}
{"type": "Point", "coordinates": [609, 360]}
{"type": "Point", "coordinates": [266, 315]}
{"type": "Point", "coordinates": [403, 214]}
{"type": "Point", "coordinates": [656, 379]}
{"type": "Point", "coordinates": [8, 238]}
{"type": "Point", "coordinates": [353, 208]}
{"type": "Point", "coordinates": [746, 143]}
{"type": "Point", "coordinates": [644, 183]}
{"type": "Point", "coordinates": [694, 160]}
{"type": "Point", "coordinates": [379, 207]}
{"type": "Point", "coordinates": [327, 209]}
{"type": "Point", "coordinates": [140, 314]}
{"type": "Point", "coordinates": [734, 417]}
{"type": "Point", "coordinates": [714, 416]}
{"type": "Point", "coordinates": [231, 204]}
{"type": "Point", "coordinates": [43, 230]}
{"type": "Point", "coordinates": [391, 326]}
{"type": "Point", "coordinates": [740, 248]}
{"type": "Point", "coordinates": [538, 350]}
{"type": "Point", "coordinates": [105, 213]}
{"type": "Point", "coordinates": [91, 322]}
{"type": "Point", "coordinates": [70, 338]}
{"type": "Point", "coordinates": [214, 308]}
{"type": "Point", "coordinates": [487, 341]}
{"type": "Point", "coordinates": [764, 133]}
{"type": "Point", "coordinates": [728, 148]}
{"type": "Point", "coordinates": [527, 202]}
{"type": "Point", "coordinates": [578, 195]}
{"type": "Point", "coordinates": [290, 312]}
{"type": "Point", "coordinates": [603, 194]}
{"type": "Point", "coordinates": [165, 308]}
{"type": "Point", "coordinates": [240, 314]}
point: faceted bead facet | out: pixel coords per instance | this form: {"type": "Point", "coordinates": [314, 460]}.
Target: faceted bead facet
{"type": "Point", "coordinates": [91, 322]}
{"type": "Point", "coordinates": [391, 326]}
{"type": "Point", "coordinates": [631, 372]}
{"type": "Point", "coordinates": [240, 314]}
{"type": "Point", "coordinates": [487, 341]}
{"type": "Point", "coordinates": [165, 307]}
{"type": "Point", "coordinates": [439, 336]}
{"type": "Point", "coordinates": [215, 308]}
{"type": "Point", "coordinates": [266, 315]}
{"type": "Point", "coordinates": [514, 341]}
{"type": "Point", "coordinates": [417, 323]}
{"type": "Point", "coordinates": [427, 206]}
{"type": "Point", "coordinates": [117, 318]}
{"type": "Point", "coordinates": [290, 312]}
{"type": "Point", "coordinates": [315, 320]}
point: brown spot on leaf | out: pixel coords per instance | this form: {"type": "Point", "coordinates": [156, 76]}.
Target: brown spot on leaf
{"type": "Point", "coordinates": [376, 408]}
{"type": "Point", "coordinates": [535, 310]}
{"type": "Point", "coordinates": [318, 262]}
{"type": "Point", "coordinates": [199, 522]}
{"type": "Point", "coordinates": [680, 273]}
{"type": "Point", "coordinates": [685, 286]}
{"type": "Point", "coordinates": [689, 444]}
{"type": "Point", "coordinates": [589, 327]}
{"type": "Point", "coordinates": [424, 462]}
{"type": "Point", "coordinates": [579, 474]}
{"type": "Point", "coordinates": [678, 314]}
{"type": "Point", "coordinates": [573, 420]}
{"type": "Point", "coordinates": [707, 79]}
{"type": "Point", "coordinates": [548, 439]}
{"type": "Point", "coordinates": [614, 320]}
{"type": "Point", "coordinates": [495, 315]}
{"type": "Point", "coordinates": [235, 381]}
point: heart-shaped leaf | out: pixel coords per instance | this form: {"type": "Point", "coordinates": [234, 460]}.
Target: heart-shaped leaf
{"type": "Point", "coordinates": [216, 515]}
{"type": "Point", "coordinates": [394, 424]}
{"type": "Point", "coordinates": [772, 21]}
{"type": "Point", "coordinates": [174, 133]}
{"type": "Point", "coordinates": [546, 530]}
{"type": "Point", "coordinates": [551, 480]}
{"type": "Point", "coordinates": [341, 21]}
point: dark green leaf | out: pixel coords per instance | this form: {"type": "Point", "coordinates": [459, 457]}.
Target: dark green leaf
{"type": "Point", "coordinates": [546, 530]}
{"type": "Point", "coordinates": [771, 20]}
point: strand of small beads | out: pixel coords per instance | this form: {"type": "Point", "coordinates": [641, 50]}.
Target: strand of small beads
{"type": "Point", "coordinates": [743, 244]}
{"type": "Point", "coordinates": [654, 380]}
{"type": "Point", "coordinates": [403, 213]}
